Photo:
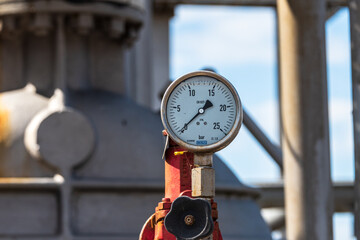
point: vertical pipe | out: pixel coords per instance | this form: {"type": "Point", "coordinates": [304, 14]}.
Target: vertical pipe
{"type": "Point", "coordinates": [305, 121]}
{"type": "Point", "coordinates": [354, 7]}
{"type": "Point", "coordinates": [278, 73]}
{"type": "Point", "coordinates": [143, 57]}
{"type": "Point", "coordinates": [60, 68]}
{"type": "Point", "coordinates": [160, 54]}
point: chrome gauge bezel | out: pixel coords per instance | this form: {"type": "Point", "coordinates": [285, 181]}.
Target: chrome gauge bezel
{"type": "Point", "coordinates": [217, 145]}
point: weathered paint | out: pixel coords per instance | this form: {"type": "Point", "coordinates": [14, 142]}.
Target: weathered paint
{"type": "Point", "coordinates": [4, 122]}
{"type": "Point", "coordinates": [178, 168]}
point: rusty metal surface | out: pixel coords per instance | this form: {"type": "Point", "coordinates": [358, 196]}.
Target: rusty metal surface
{"type": "Point", "coordinates": [354, 9]}
{"type": "Point", "coordinates": [4, 122]}
{"type": "Point", "coordinates": [20, 107]}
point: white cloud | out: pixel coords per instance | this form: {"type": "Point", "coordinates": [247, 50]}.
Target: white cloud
{"type": "Point", "coordinates": [338, 50]}
{"type": "Point", "coordinates": [343, 229]}
{"type": "Point", "coordinates": [246, 156]}
{"type": "Point", "coordinates": [223, 36]}
{"type": "Point", "coordinates": [266, 114]}
{"type": "Point", "coordinates": [338, 39]}
{"type": "Point", "coordinates": [229, 36]}
{"type": "Point", "coordinates": [340, 110]}
{"type": "Point", "coordinates": [341, 141]}
{"type": "Point", "coordinates": [341, 129]}
{"type": "Point", "coordinates": [249, 161]}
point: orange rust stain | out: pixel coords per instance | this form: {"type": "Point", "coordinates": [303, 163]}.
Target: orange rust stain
{"type": "Point", "coordinates": [4, 122]}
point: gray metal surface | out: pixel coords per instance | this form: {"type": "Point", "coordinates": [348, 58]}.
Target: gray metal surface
{"type": "Point", "coordinates": [304, 119]}
{"type": "Point", "coordinates": [116, 189]}
{"type": "Point", "coordinates": [272, 196]}
{"type": "Point", "coordinates": [268, 3]}
{"type": "Point", "coordinates": [354, 9]}
{"type": "Point", "coordinates": [90, 41]}
{"type": "Point", "coordinates": [78, 159]}
{"type": "Point", "coordinates": [10, 7]}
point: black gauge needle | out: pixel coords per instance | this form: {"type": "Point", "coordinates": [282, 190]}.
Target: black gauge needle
{"type": "Point", "coordinates": [223, 132]}
{"type": "Point", "coordinates": [207, 105]}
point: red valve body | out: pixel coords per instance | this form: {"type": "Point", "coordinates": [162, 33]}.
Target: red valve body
{"type": "Point", "coordinates": [177, 183]}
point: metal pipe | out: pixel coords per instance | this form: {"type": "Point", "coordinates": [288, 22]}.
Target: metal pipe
{"type": "Point", "coordinates": [305, 120]}
{"type": "Point", "coordinates": [255, 3]}
{"type": "Point", "coordinates": [60, 67]}
{"type": "Point", "coordinates": [273, 150]}
{"type": "Point", "coordinates": [272, 196]}
{"type": "Point", "coordinates": [354, 8]}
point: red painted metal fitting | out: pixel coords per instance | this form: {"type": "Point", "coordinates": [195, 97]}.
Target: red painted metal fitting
{"type": "Point", "coordinates": [164, 206]}
{"type": "Point", "coordinates": [214, 211]}
{"type": "Point", "coordinates": [177, 183]}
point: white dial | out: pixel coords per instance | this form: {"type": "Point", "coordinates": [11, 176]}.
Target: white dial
{"type": "Point", "coordinates": [201, 110]}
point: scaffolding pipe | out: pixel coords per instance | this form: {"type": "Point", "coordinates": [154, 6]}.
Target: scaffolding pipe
{"type": "Point", "coordinates": [273, 150]}
{"type": "Point", "coordinates": [354, 8]}
{"type": "Point", "coordinates": [305, 120]}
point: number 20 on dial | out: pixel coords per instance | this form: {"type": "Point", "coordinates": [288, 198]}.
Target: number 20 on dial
{"type": "Point", "coordinates": [202, 111]}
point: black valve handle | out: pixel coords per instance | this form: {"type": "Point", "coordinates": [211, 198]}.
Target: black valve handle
{"type": "Point", "coordinates": [189, 219]}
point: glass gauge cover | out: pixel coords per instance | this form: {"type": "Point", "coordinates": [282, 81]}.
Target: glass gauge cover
{"type": "Point", "coordinates": [201, 111]}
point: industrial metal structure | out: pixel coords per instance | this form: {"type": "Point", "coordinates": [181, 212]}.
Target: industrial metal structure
{"type": "Point", "coordinates": [80, 158]}
{"type": "Point", "coordinates": [310, 196]}
{"type": "Point", "coordinates": [80, 144]}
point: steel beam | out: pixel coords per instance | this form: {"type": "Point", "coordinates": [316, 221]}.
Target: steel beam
{"type": "Point", "coordinates": [266, 3]}
{"type": "Point", "coordinates": [273, 150]}
{"type": "Point", "coordinates": [354, 8]}
{"type": "Point", "coordinates": [304, 119]}
{"type": "Point", "coordinates": [272, 196]}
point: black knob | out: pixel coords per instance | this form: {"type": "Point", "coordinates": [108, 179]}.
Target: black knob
{"type": "Point", "coordinates": [189, 219]}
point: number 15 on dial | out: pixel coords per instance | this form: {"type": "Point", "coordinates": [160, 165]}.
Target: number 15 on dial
{"type": "Point", "coordinates": [202, 111]}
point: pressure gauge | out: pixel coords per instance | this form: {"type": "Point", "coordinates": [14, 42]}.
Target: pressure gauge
{"type": "Point", "coordinates": [201, 112]}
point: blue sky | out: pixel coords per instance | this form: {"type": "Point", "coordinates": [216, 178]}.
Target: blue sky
{"type": "Point", "coordinates": [240, 43]}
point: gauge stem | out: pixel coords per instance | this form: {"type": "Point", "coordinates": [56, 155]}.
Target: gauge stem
{"type": "Point", "coordinates": [204, 159]}
{"type": "Point", "coordinates": [203, 176]}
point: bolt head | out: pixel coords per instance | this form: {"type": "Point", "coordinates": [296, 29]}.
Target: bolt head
{"type": "Point", "coordinates": [189, 220]}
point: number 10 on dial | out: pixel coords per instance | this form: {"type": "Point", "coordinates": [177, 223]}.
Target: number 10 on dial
{"type": "Point", "coordinates": [201, 111]}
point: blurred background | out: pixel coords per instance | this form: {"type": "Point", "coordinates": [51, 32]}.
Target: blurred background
{"type": "Point", "coordinates": [240, 43]}
{"type": "Point", "coordinates": [80, 133]}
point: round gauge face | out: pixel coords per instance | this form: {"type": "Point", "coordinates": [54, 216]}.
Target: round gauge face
{"type": "Point", "coordinates": [202, 111]}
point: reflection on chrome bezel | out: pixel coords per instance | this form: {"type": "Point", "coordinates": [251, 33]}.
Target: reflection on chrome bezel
{"type": "Point", "coordinates": [215, 146]}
